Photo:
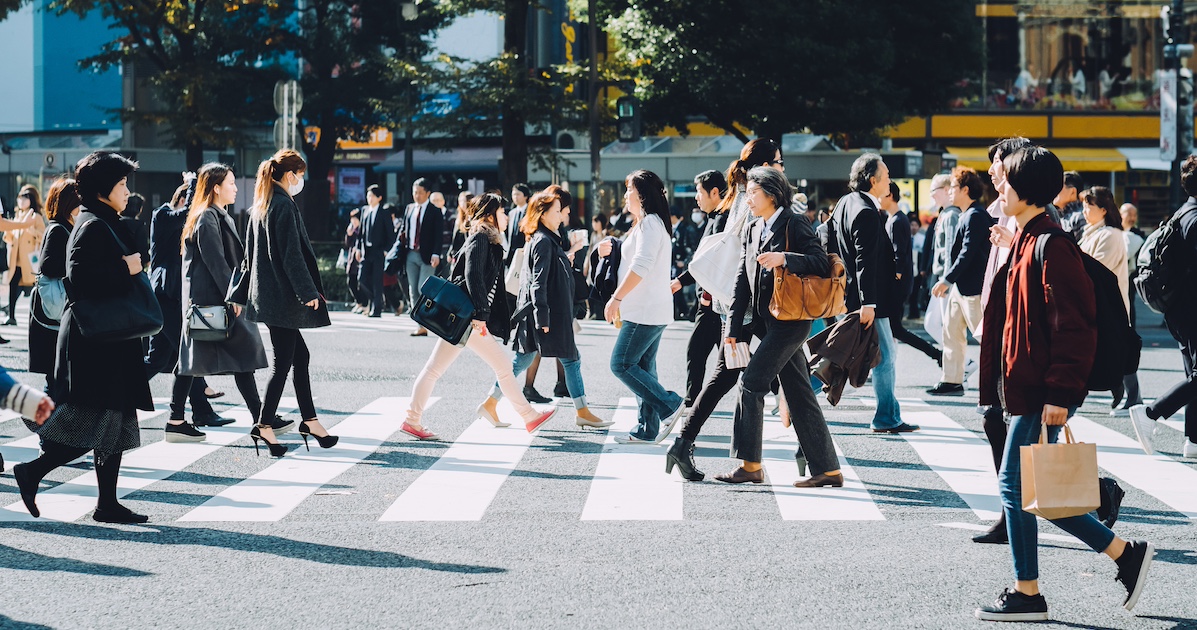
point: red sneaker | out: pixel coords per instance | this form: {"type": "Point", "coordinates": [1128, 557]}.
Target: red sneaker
{"type": "Point", "coordinates": [533, 425]}
{"type": "Point", "coordinates": [420, 433]}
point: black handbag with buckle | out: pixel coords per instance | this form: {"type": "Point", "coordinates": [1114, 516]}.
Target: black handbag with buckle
{"type": "Point", "coordinates": [444, 308]}
{"type": "Point", "coordinates": [133, 315]}
{"type": "Point", "coordinates": [209, 323]}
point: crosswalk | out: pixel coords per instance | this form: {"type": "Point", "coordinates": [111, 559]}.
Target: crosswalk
{"type": "Point", "coordinates": [628, 482]}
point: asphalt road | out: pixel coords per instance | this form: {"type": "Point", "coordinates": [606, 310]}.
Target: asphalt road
{"type": "Point", "coordinates": [495, 529]}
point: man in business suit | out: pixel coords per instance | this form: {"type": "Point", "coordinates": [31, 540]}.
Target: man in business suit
{"type": "Point", "coordinates": [962, 283]}
{"type": "Point", "coordinates": [857, 236]}
{"type": "Point", "coordinates": [378, 235]}
{"type": "Point", "coordinates": [515, 237]}
{"type": "Point", "coordinates": [419, 243]}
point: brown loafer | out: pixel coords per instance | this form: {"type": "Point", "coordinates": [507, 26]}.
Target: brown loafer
{"type": "Point", "coordinates": [740, 475]}
{"type": "Point", "coordinates": [819, 481]}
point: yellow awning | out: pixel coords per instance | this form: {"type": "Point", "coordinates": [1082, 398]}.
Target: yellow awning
{"type": "Point", "coordinates": [1073, 159]}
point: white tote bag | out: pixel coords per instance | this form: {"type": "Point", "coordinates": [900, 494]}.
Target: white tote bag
{"type": "Point", "coordinates": [933, 321]}
{"type": "Point", "coordinates": [716, 263]}
{"type": "Point", "coordinates": [515, 273]}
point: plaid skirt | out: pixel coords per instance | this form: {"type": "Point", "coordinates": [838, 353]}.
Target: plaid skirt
{"type": "Point", "coordinates": [106, 432]}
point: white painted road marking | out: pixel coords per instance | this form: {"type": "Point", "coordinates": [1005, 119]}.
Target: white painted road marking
{"type": "Point", "coordinates": [630, 483]}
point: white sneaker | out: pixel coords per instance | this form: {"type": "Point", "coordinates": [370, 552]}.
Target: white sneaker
{"type": "Point", "coordinates": [970, 368]}
{"type": "Point", "coordinates": [1144, 427]}
{"type": "Point", "coordinates": [670, 422]}
{"type": "Point", "coordinates": [1190, 450]}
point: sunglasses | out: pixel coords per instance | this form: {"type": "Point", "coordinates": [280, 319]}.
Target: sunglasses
{"type": "Point", "coordinates": [777, 162]}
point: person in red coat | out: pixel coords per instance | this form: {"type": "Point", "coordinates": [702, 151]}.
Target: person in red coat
{"type": "Point", "coordinates": [1037, 370]}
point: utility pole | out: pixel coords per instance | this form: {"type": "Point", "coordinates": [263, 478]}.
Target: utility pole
{"type": "Point", "coordinates": [596, 173]}
{"type": "Point", "coordinates": [1176, 97]}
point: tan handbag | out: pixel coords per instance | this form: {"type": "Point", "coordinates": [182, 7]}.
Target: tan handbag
{"type": "Point", "coordinates": [1059, 480]}
{"type": "Point", "coordinates": [798, 297]}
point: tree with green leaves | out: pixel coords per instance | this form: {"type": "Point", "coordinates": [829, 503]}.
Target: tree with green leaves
{"type": "Point", "coordinates": [843, 67]}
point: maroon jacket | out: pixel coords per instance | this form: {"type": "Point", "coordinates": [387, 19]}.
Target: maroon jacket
{"type": "Point", "coordinates": [1048, 324]}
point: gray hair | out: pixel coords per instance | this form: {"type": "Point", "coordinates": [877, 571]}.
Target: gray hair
{"type": "Point", "coordinates": [864, 169]}
{"type": "Point", "coordinates": [942, 179]}
{"type": "Point", "coordinates": [774, 184]}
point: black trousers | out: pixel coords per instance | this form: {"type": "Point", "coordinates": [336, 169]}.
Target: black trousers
{"type": "Point", "coordinates": [721, 382]}
{"type": "Point", "coordinates": [706, 336]}
{"type": "Point", "coordinates": [289, 351]}
{"type": "Point", "coordinates": [913, 340]}
{"type": "Point", "coordinates": [1184, 393]}
{"type": "Point", "coordinates": [184, 384]}
{"type": "Point", "coordinates": [995, 429]}
{"type": "Point", "coordinates": [55, 455]}
{"type": "Point", "coordinates": [14, 291]}
{"type": "Point", "coordinates": [355, 290]}
{"type": "Point", "coordinates": [369, 279]}
{"type": "Point", "coordinates": [780, 356]}
{"type": "Point", "coordinates": [162, 353]}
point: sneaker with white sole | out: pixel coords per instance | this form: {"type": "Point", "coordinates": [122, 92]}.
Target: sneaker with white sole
{"type": "Point", "coordinates": [1190, 450]}
{"type": "Point", "coordinates": [1012, 605]}
{"type": "Point", "coordinates": [183, 433]}
{"type": "Point", "coordinates": [1144, 427]}
{"type": "Point", "coordinates": [670, 422]}
{"type": "Point", "coordinates": [1132, 569]}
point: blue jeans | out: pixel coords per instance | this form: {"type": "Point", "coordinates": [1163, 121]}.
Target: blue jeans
{"type": "Point", "coordinates": [889, 414]}
{"type": "Point", "coordinates": [634, 362]}
{"type": "Point", "coordinates": [573, 376]}
{"type": "Point", "coordinates": [1021, 526]}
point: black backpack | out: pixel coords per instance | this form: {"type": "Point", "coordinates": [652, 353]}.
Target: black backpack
{"type": "Point", "coordinates": [1163, 265]}
{"type": "Point", "coordinates": [1118, 345]}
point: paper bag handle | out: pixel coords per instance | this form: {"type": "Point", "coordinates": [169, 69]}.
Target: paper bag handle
{"type": "Point", "coordinates": [1068, 439]}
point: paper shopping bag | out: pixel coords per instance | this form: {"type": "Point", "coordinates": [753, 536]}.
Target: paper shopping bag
{"type": "Point", "coordinates": [1059, 480]}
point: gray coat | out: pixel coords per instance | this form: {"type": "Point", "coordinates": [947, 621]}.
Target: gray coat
{"type": "Point", "coordinates": [546, 299]}
{"type": "Point", "coordinates": [209, 257]}
{"type": "Point", "coordinates": [279, 272]}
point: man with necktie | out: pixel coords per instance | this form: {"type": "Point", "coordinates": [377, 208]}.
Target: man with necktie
{"type": "Point", "coordinates": [378, 235]}
{"type": "Point", "coordinates": [419, 244]}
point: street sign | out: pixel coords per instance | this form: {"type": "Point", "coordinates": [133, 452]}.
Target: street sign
{"type": "Point", "coordinates": [286, 92]}
{"type": "Point", "coordinates": [1168, 116]}
{"type": "Point", "coordinates": [288, 100]}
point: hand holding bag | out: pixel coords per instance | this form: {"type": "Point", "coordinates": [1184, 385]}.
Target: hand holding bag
{"type": "Point", "coordinates": [1059, 480]}
{"type": "Point", "coordinates": [134, 315]}
{"type": "Point", "coordinates": [209, 323]}
{"type": "Point", "coordinates": [444, 308]}
{"type": "Point", "coordinates": [798, 297]}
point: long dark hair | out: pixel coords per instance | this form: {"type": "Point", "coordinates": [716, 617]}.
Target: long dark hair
{"type": "Point", "coordinates": [651, 191]}
{"type": "Point", "coordinates": [210, 176]}
{"type": "Point", "coordinates": [485, 207]}
{"type": "Point", "coordinates": [758, 152]}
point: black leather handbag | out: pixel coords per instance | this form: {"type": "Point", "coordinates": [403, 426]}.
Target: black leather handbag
{"type": "Point", "coordinates": [444, 308]}
{"type": "Point", "coordinates": [209, 323]}
{"type": "Point", "coordinates": [133, 315]}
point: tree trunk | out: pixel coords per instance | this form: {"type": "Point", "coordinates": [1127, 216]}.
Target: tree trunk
{"type": "Point", "coordinates": [317, 198]}
{"type": "Point", "coordinates": [514, 168]}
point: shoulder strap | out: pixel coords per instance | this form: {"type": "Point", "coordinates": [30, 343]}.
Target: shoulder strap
{"type": "Point", "coordinates": [125, 250]}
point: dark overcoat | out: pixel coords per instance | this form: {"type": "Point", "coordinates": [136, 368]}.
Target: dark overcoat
{"type": "Point", "coordinates": [546, 299]}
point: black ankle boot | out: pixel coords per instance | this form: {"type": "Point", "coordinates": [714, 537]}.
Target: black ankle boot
{"type": "Point", "coordinates": [681, 454]}
{"type": "Point", "coordinates": [995, 535]}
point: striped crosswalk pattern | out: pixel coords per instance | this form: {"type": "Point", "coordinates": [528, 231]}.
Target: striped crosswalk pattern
{"type": "Point", "coordinates": [628, 482]}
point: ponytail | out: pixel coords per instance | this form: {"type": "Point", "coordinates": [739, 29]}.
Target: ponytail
{"type": "Point", "coordinates": [758, 152]}
{"type": "Point", "coordinates": [269, 173]}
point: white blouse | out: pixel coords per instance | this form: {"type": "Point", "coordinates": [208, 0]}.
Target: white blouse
{"type": "Point", "coordinates": [648, 252]}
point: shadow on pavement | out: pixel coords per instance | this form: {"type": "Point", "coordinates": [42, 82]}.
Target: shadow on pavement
{"type": "Point", "coordinates": [9, 622]}
{"type": "Point", "coordinates": [21, 560]}
{"type": "Point", "coordinates": [257, 543]}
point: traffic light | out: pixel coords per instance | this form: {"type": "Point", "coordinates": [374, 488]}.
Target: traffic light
{"type": "Point", "coordinates": [1184, 114]}
{"type": "Point", "coordinates": [627, 111]}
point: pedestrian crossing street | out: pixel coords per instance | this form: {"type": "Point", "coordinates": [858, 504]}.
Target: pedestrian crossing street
{"type": "Point", "coordinates": [628, 482]}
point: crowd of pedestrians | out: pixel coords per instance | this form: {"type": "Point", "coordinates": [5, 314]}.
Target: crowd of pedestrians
{"type": "Point", "coordinates": [1014, 275]}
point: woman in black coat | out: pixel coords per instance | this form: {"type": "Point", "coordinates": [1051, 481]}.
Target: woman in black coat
{"type": "Point", "coordinates": [211, 250]}
{"type": "Point", "coordinates": [62, 206]}
{"type": "Point", "coordinates": [544, 311]}
{"type": "Point", "coordinates": [280, 287]}
{"type": "Point", "coordinates": [98, 385]}
{"type": "Point", "coordinates": [479, 268]}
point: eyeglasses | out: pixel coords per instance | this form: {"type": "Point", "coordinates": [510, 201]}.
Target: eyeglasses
{"type": "Point", "coordinates": [779, 162]}
{"type": "Point", "coordinates": [935, 190]}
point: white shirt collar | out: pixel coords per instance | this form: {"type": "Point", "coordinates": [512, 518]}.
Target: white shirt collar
{"type": "Point", "coordinates": [876, 201]}
{"type": "Point", "coordinates": [771, 221]}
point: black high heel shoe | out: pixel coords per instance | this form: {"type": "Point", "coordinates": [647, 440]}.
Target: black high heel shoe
{"type": "Point", "coordinates": [276, 449]}
{"type": "Point", "coordinates": [326, 441]}
{"type": "Point", "coordinates": [681, 454]}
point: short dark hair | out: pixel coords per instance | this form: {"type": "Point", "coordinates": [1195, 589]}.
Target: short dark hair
{"type": "Point", "coordinates": [1188, 175]}
{"type": "Point", "coordinates": [1101, 197]}
{"type": "Point", "coordinates": [602, 219]}
{"type": "Point", "coordinates": [965, 176]}
{"type": "Point", "coordinates": [374, 189]}
{"type": "Point", "coordinates": [99, 172]}
{"type": "Point", "coordinates": [422, 183]}
{"type": "Point", "coordinates": [1035, 174]}
{"type": "Point", "coordinates": [567, 200]}
{"type": "Point", "coordinates": [774, 184]}
{"type": "Point", "coordinates": [711, 180]}
{"type": "Point", "coordinates": [894, 191]}
{"type": "Point", "coordinates": [1073, 179]}
{"type": "Point", "coordinates": [1007, 146]}
{"type": "Point", "coordinates": [524, 188]}
{"type": "Point", "coordinates": [134, 207]}
{"type": "Point", "coordinates": [864, 169]}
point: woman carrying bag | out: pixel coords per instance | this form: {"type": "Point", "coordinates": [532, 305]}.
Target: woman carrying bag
{"type": "Point", "coordinates": [544, 320]}
{"type": "Point", "coordinates": [100, 382]}
{"type": "Point", "coordinates": [280, 287]}
{"type": "Point", "coordinates": [779, 237]}
{"type": "Point", "coordinates": [479, 268]}
{"type": "Point", "coordinates": [227, 343]}
{"type": "Point", "coordinates": [62, 206]}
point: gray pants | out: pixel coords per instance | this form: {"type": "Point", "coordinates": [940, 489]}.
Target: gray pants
{"type": "Point", "coordinates": [417, 272]}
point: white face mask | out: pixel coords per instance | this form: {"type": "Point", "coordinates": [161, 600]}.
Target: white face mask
{"type": "Point", "coordinates": [698, 216]}
{"type": "Point", "coordinates": [296, 188]}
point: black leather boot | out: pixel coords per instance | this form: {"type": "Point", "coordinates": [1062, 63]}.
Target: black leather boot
{"type": "Point", "coordinates": [681, 454]}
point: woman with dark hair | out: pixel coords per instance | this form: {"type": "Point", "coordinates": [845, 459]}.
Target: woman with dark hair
{"type": "Point", "coordinates": [778, 237]}
{"type": "Point", "coordinates": [211, 251]}
{"type": "Point", "coordinates": [62, 206]}
{"type": "Point", "coordinates": [23, 247]}
{"type": "Point", "coordinates": [98, 385]}
{"type": "Point", "coordinates": [280, 287]}
{"type": "Point", "coordinates": [544, 309]}
{"type": "Point", "coordinates": [479, 268]}
{"type": "Point", "coordinates": [642, 306]}
{"type": "Point", "coordinates": [461, 226]}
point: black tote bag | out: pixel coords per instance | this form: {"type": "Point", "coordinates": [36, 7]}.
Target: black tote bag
{"type": "Point", "coordinates": [444, 308]}
{"type": "Point", "coordinates": [133, 315]}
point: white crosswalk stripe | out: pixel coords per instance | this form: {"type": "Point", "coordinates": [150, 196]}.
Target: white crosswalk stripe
{"type": "Point", "coordinates": [962, 458]}
{"type": "Point", "coordinates": [629, 482]}
{"type": "Point", "coordinates": [849, 503]}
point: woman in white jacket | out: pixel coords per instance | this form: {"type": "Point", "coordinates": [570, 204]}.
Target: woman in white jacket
{"type": "Point", "coordinates": [644, 305]}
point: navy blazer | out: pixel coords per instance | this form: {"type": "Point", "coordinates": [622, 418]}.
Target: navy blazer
{"type": "Point", "coordinates": [857, 239]}
{"type": "Point", "coordinates": [897, 260]}
{"type": "Point", "coordinates": [970, 251]}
